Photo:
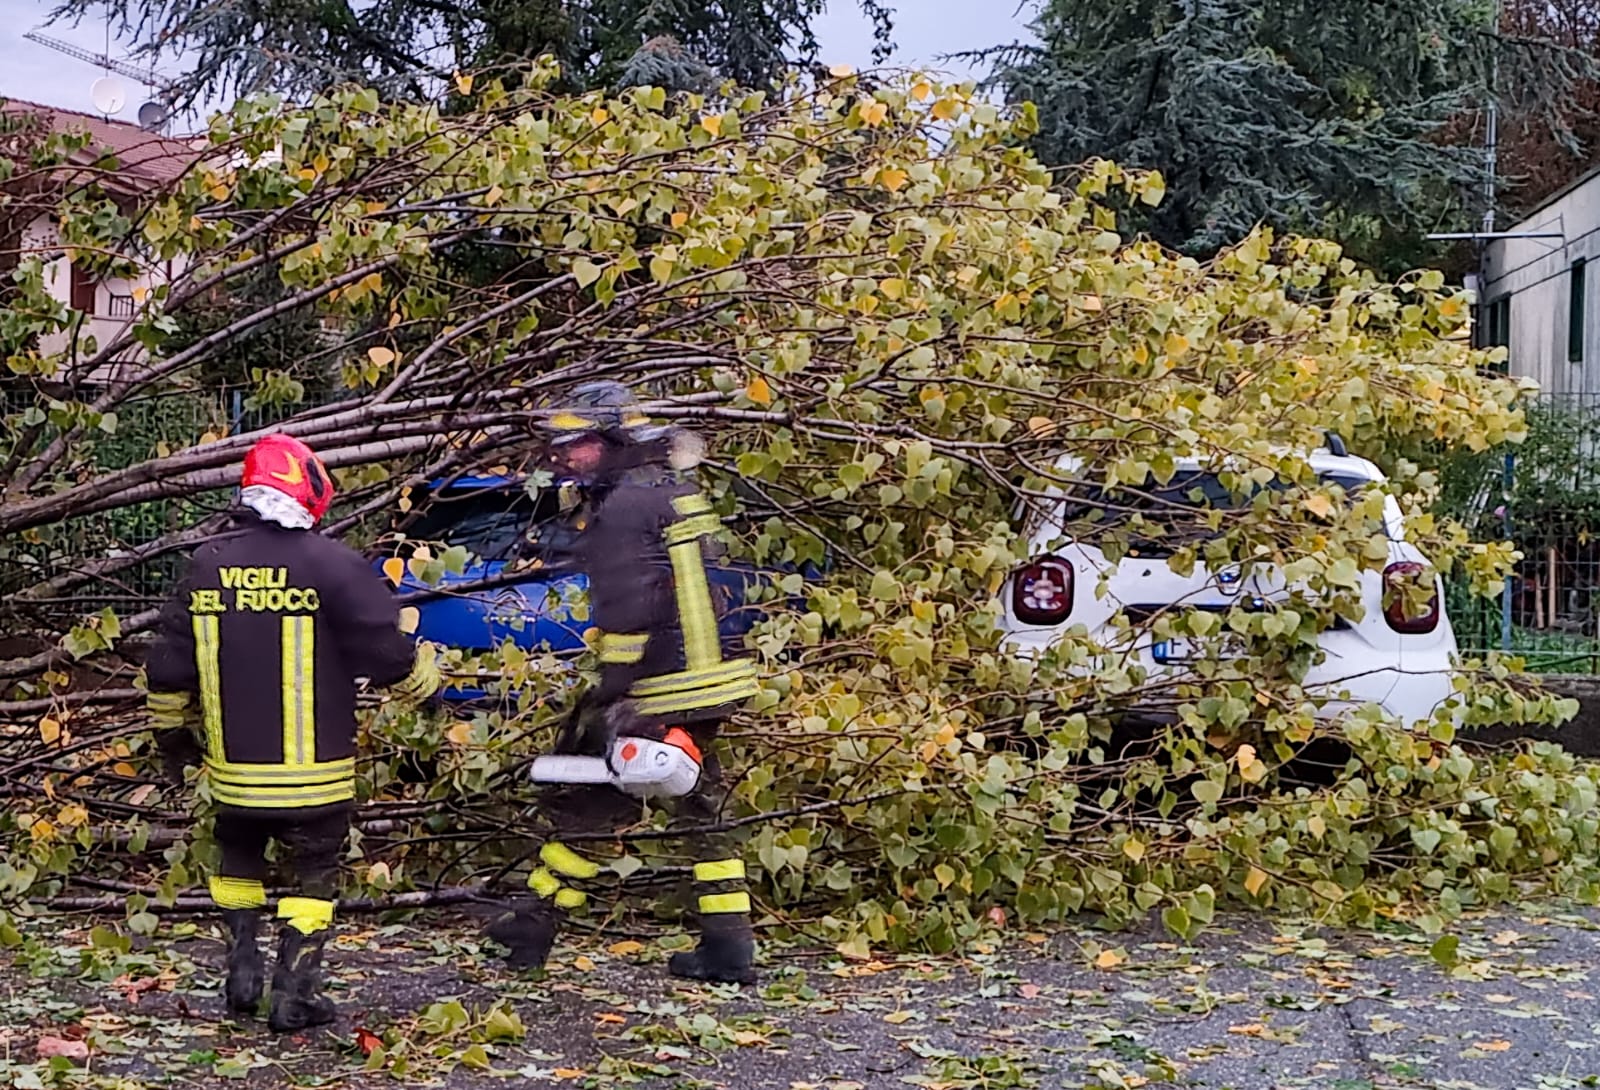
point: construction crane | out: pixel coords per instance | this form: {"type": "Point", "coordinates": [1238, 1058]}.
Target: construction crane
{"type": "Point", "coordinates": [152, 115]}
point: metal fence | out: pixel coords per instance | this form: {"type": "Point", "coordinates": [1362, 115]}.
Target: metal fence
{"type": "Point", "coordinates": [1545, 498]}
{"type": "Point", "coordinates": [145, 428]}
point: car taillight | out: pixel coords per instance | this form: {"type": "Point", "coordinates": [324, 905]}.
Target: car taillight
{"type": "Point", "coordinates": [1041, 593]}
{"type": "Point", "coordinates": [1402, 616]}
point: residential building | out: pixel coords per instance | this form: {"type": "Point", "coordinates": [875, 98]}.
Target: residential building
{"type": "Point", "coordinates": [1540, 298]}
{"type": "Point", "coordinates": [145, 162]}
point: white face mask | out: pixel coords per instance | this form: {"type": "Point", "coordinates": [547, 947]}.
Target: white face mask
{"type": "Point", "coordinates": [276, 507]}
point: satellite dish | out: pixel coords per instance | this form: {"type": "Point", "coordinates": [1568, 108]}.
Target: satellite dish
{"type": "Point", "coordinates": [153, 117]}
{"type": "Point", "coordinates": [108, 95]}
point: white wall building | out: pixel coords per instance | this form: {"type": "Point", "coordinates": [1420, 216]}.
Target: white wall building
{"type": "Point", "coordinates": [1541, 298]}
{"type": "Point", "coordinates": [145, 161]}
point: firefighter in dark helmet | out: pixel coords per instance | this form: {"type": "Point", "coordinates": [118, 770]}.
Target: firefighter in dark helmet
{"type": "Point", "coordinates": [646, 531]}
{"type": "Point", "coordinates": [261, 648]}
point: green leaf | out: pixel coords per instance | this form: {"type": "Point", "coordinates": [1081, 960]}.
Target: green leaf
{"type": "Point", "coordinates": [1444, 951]}
{"type": "Point", "coordinates": [585, 271]}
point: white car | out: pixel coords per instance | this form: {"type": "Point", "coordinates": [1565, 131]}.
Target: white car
{"type": "Point", "coordinates": [1401, 659]}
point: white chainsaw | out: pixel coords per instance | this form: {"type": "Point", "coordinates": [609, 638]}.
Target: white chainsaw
{"type": "Point", "coordinates": [641, 767]}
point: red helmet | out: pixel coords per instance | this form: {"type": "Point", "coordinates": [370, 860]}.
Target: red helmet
{"type": "Point", "coordinates": [284, 463]}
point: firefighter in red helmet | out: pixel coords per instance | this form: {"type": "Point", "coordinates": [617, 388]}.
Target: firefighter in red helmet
{"type": "Point", "coordinates": [261, 648]}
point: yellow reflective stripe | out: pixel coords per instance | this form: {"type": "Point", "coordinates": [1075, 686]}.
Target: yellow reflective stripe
{"type": "Point", "coordinates": [296, 642]}
{"type": "Point", "coordinates": [566, 861]}
{"type": "Point", "coordinates": [693, 504]}
{"type": "Point", "coordinates": [701, 646]}
{"type": "Point", "coordinates": [570, 422]}
{"type": "Point", "coordinates": [734, 692]}
{"type": "Point", "coordinates": [281, 776]}
{"type": "Point", "coordinates": [282, 798]}
{"type": "Point", "coordinates": [166, 702]}
{"type": "Point", "coordinates": [207, 643]}
{"type": "Point", "coordinates": [543, 882]}
{"type": "Point", "coordinates": [307, 915]}
{"type": "Point", "coordinates": [621, 649]}
{"type": "Point", "coordinates": [685, 680]}
{"type": "Point", "coordinates": [724, 870]}
{"type": "Point", "coordinates": [720, 903]}
{"type": "Point", "coordinates": [237, 892]}
{"type": "Point", "coordinates": [690, 529]}
{"type": "Point", "coordinates": [571, 898]}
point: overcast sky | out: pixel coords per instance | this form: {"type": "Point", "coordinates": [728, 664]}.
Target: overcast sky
{"type": "Point", "coordinates": [924, 29]}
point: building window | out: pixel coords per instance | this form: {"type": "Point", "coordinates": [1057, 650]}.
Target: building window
{"type": "Point", "coordinates": [1575, 312]}
{"type": "Point", "coordinates": [121, 306]}
{"type": "Point", "coordinates": [83, 291]}
{"type": "Point", "coordinates": [1494, 331]}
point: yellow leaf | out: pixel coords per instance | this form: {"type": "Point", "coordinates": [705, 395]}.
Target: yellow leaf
{"type": "Point", "coordinates": [378, 873]}
{"type": "Point", "coordinates": [1252, 1029]}
{"type": "Point", "coordinates": [49, 730]}
{"type": "Point", "coordinates": [679, 219]}
{"type": "Point", "coordinates": [72, 815]}
{"type": "Point", "coordinates": [123, 768]}
{"type": "Point", "coordinates": [610, 1018]}
{"type": "Point", "coordinates": [712, 123]}
{"type": "Point", "coordinates": [1319, 505]}
{"type": "Point", "coordinates": [758, 391]}
{"type": "Point", "coordinates": [492, 197]}
{"type": "Point", "coordinates": [1177, 346]}
{"type": "Point", "coordinates": [1091, 302]}
{"type": "Point", "coordinates": [946, 108]}
{"type": "Point", "coordinates": [1133, 848]}
{"type": "Point", "coordinates": [1041, 425]}
{"type": "Point", "coordinates": [1492, 1046]}
{"type": "Point", "coordinates": [892, 287]}
{"type": "Point", "coordinates": [893, 179]}
{"type": "Point", "coordinates": [306, 175]}
{"type": "Point", "coordinates": [395, 569]}
{"type": "Point", "coordinates": [1108, 959]}
{"type": "Point", "coordinates": [625, 948]}
{"type": "Point", "coordinates": [1316, 826]}
{"type": "Point", "coordinates": [464, 82]}
{"type": "Point", "coordinates": [898, 1018]}
{"type": "Point", "coordinates": [380, 356]}
{"type": "Point", "coordinates": [568, 1072]}
{"type": "Point", "coordinates": [140, 294]}
{"type": "Point", "coordinates": [921, 90]}
{"type": "Point", "coordinates": [42, 830]}
{"type": "Point", "coordinates": [600, 115]}
{"type": "Point", "coordinates": [583, 964]}
{"type": "Point", "coordinates": [1255, 880]}
{"type": "Point", "coordinates": [1506, 938]}
{"type": "Point", "coordinates": [1250, 768]}
{"type": "Point", "coordinates": [460, 733]}
{"type": "Point", "coordinates": [874, 113]}
{"type": "Point", "coordinates": [409, 619]}
{"type": "Point", "coordinates": [841, 71]}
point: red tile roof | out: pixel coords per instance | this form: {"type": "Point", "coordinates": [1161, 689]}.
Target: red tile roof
{"type": "Point", "coordinates": [146, 156]}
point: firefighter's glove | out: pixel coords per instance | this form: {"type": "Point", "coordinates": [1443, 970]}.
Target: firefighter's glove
{"type": "Point", "coordinates": [425, 680]}
{"type": "Point", "coordinates": [178, 748]}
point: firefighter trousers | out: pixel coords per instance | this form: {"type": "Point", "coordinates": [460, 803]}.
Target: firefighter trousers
{"type": "Point", "coordinates": [313, 838]}
{"type": "Point", "coordinates": [561, 871]}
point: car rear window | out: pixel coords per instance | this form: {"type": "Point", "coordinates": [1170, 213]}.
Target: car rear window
{"type": "Point", "coordinates": [493, 523]}
{"type": "Point", "coordinates": [1175, 508]}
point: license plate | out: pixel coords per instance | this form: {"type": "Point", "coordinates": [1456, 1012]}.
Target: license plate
{"type": "Point", "coordinates": [1184, 650]}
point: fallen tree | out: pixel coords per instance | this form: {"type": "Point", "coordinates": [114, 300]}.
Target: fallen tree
{"type": "Point", "coordinates": [889, 321]}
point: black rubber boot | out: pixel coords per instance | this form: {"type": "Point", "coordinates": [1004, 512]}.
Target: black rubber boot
{"type": "Point", "coordinates": [527, 932]}
{"type": "Point", "coordinates": [297, 1002]}
{"type": "Point", "coordinates": [727, 949]}
{"type": "Point", "coordinates": [247, 969]}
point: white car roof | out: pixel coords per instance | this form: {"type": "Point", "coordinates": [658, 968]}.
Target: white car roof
{"type": "Point", "coordinates": [1321, 461]}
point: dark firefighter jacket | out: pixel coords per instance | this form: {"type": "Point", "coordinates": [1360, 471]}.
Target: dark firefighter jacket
{"type": "Point", "coordinates": [264, 639]}
{"type": "Point", "coordinates": [645, 549]}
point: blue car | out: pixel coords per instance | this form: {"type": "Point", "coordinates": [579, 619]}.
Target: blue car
{"type": "Point", "coordinates": [493, 599]}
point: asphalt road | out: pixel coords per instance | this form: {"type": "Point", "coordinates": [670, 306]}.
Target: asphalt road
{"type": "Point", "coordinates": [1255, 1003]}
